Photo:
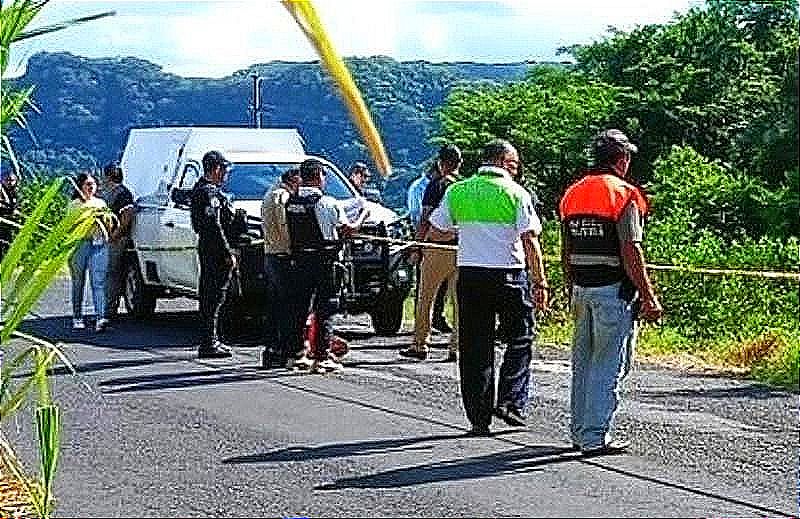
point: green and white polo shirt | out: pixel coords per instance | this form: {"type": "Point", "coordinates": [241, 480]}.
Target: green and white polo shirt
{"type": "Point", "coordinates": [491, 212]}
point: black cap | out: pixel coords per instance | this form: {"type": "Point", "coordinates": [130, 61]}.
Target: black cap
{"type": "Point", "coordinates": [613, 140]}
{"type": "Point", "coordinates": [213, 159]}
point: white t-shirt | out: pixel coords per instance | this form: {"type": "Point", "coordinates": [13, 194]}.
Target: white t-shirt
{"type": "Point", "coordinates": [491, 212]}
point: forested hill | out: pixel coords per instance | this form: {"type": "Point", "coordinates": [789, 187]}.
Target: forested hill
{"type": "Point", "coordinates": [87, 106]}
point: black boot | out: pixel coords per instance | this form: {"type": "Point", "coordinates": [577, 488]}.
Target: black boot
{"type": "Point", "coordinates": [216, 350]}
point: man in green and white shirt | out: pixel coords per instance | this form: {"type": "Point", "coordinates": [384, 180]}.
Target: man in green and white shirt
{"type": "Point", "coordinates": [498, 232]}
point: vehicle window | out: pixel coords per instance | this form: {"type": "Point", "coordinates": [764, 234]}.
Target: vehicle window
{"type": "Point", "coordinates": [251, 181]}
{"type": "Point", "coordinates": [191, 174]}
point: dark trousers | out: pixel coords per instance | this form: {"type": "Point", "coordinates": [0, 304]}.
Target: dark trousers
{"type": "Point", "coordinates": [115, 276]}
{"type": "Point", "coordinates": [280, 326]}
{"type": "Point", "coordinates": [215, 278]}
{"type": "Point", "coordinates": [483, 295]}
{"type": "Point", "coordinates": [312, 290]}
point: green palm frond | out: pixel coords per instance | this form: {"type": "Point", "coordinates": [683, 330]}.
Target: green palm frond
{"type": "Point", "coordinates": [20, 244]}
{"type": "Point", "coordinates": [62, 25]}
{"type": "Point", "coordinates": [48, 428]}
{"type": "Point", "coordinates": [12, 397]}
{"type": "Point", "coordinates": [13, 106]}
{"type": "Point", "coordinates": [15, 17]}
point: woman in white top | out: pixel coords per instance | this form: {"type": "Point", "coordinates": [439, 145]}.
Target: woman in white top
{"type": "Point", "coordinates": [91, 255]}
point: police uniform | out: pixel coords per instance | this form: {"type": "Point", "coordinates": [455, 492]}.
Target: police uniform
{"type": "Point", "coordinates": [212, 216]}
{"type": "Point", "coordinates": [313, 220]}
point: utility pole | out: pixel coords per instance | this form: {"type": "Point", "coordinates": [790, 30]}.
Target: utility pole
{"type": "Point", "coordinates": [255, 106]}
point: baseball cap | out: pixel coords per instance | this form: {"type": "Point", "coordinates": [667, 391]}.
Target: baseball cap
{"type": "Point", "coordinates": [214, 158]}
{"type": "Point", "coordinates": [614, 139]}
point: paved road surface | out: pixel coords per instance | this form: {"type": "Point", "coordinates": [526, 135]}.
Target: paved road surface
{"type": "Point", "coordinates": [151, 431]}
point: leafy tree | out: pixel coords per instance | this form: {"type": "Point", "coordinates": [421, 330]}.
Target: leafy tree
{"type": "Point", "coordinates": [550, 116]}
{"type": "Point", "coordinates": [721, 78]}
{"type": "Point", "coordinates": [695, 193]}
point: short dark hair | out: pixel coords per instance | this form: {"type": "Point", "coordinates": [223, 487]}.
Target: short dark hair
{"type": "Point", "coordinates": [494, 150]}
{"type": "Point", "coordinates": [113, 171]}
{"type": "Point", "coordinates": [289, 173]}
{"type": "Point", "coordinates": [213, 159]}
{"type": "Point", "coordinates": [450, 154]}
{"type": "Point", "coordinates": [311, 169]}
{"type": "Point", "coordinates": [358, 166]}
{"type": "Point", "coordinates": [610, 145]}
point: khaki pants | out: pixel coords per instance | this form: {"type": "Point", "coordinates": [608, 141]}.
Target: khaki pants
{"type": "Point", "coordinates": [436, 267]}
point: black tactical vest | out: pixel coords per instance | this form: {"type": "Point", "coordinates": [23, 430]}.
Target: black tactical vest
{"type": "Point", "coordinates": [594, 250]}
{"type": "Point", "coordinates": [304, 231]}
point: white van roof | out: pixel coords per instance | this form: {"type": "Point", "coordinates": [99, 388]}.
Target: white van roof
{"type": "Point", "coordinates": [151, 155]}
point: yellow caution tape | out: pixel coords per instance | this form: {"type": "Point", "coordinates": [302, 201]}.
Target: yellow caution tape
{"type": "Point", "coordinates": [306, 17]}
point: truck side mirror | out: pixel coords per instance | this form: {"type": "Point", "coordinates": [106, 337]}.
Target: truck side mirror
{"type": "Point", "coordinates": [181, 197]}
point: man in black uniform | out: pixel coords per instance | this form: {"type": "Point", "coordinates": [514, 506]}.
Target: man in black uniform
{"type": "Point", "coordinates": [316, 224]}
{"type": "Point", "coordinates": [8, 209]}
{"type": "Point", "coordinates": [211, 218]}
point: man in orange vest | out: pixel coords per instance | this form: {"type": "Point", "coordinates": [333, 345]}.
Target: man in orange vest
{"type": "Point", "coordinates": [602, 219]}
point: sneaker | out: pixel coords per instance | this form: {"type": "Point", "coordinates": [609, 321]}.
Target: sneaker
{"type": "Point", "coordinates": [78, 324]}
{"type": "Point", "coordinates": [612, 447]}
{"type": "Point", "coordinates": [101, 325]}
{"type": "Point", "coordinates": [300, 363]}
{"type": "Point", "coordinates": [441, 326]}
{"type": "Point", "coordinates": [217, 350]}
{"type": "Point", "coordinates": [414, 353]}
{"type": "Point", "coordinates": [511, 416]}
{"type": "Point", "coordinates": [325, 366]}
{"type": "Point", "coordinates": [479, 431]}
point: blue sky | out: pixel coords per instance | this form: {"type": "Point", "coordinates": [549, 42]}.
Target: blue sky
{"type": "Point", "coordinates": [216, 38]}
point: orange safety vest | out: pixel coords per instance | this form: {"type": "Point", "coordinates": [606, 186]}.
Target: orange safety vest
{"type": "Point", "coordinates": [590, 211]}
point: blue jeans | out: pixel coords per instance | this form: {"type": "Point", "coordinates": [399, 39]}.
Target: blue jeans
{"type": "Point", "coordinates": [93, 258]}
{"type": "Point", "coordinates": [602, 351]}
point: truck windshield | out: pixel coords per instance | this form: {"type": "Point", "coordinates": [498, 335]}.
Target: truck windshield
{"type": "Point", "coordinates": [249, 181]}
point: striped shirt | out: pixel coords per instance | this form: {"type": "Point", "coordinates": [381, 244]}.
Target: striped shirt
{"type": "Point", "coordinates": [491, 212]}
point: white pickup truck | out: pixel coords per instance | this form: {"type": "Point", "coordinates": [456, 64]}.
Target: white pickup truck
{"type": "Point", "coordinates": [162, 164]}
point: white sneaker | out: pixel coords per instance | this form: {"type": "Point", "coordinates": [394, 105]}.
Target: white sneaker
{"type": "Point", "coordinates": [300, 363]}
{"type": "Point", "coordinates": [78, 324]}
{"type": "Point", "coordinates": [101, 325]}
{"type": "Point", "coordinates": [330, 365]}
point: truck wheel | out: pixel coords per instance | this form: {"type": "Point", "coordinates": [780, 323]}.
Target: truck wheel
{"type": "Point", "coordinates": [140, 301]}
{"type": "Point", "coordinates": [387, 318]}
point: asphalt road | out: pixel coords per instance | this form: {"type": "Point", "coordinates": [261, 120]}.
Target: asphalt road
{"type": "Point", "coordinates": [151, 431]}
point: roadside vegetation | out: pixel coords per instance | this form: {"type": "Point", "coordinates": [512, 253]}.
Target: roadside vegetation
{"type": "Point", "coordinates": [711, 99]}
{"type": "Point", "coordinates": [40, 250]}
